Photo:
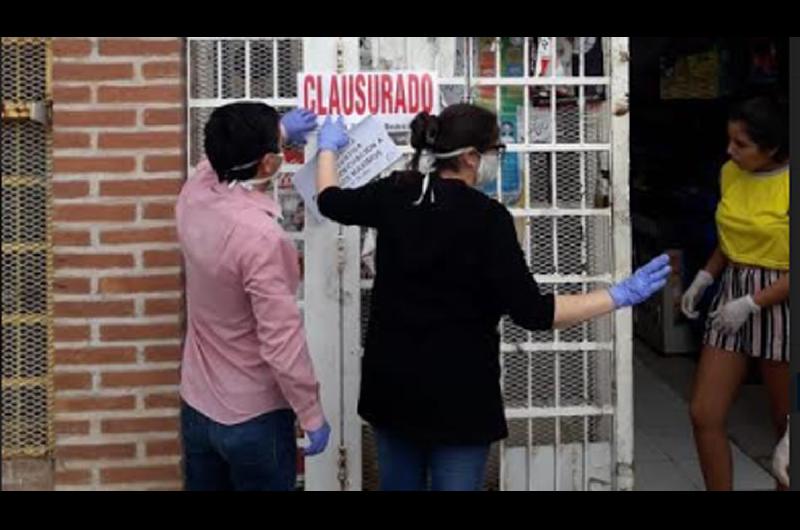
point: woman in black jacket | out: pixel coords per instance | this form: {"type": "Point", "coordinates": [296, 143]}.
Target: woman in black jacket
{"type": "Point", "coordinates": [448, 266]}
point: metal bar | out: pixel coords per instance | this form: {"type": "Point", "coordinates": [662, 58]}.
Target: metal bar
{"type": "Point", "coordinates": [275, 68]}
{"type": "Point", "coordinates": [219, 69]}
{"type": "Point", "coordinates": [541, 81]}
{"type": "Point", "coordinates": [558, 212]}
{"type": "Point", "coordinates": [8, 248]}
{"type": "Point", "coordinates": [247, 75]}
{"type": "Point", "coordinates": [216, 102]}
{"type": "Point", "coordinates": [557, 148]}
{"type": "Point", "coordinates": [622, 460]}
{"type": "Point", "coordinates": [498, 105]}
{"type": "Point", "coordinates": [564, 346]}
{"type": "Point", "coordinates": [25, 319]}
{"type": "Point", "coordinates": [24, 382]}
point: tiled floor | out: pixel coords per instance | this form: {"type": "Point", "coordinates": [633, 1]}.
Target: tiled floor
{"type": "Point", "coordinates": [665, 457]}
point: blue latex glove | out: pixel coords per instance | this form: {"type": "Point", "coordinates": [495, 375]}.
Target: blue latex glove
{"type": "Point", "coordinates": [645, 281]}
{"type": "Point", "coordinates": [296, 125]}
{"type": "Point", "coordinates": [319, 440]}
{"type": "Point", "coordinates": [332, 135]}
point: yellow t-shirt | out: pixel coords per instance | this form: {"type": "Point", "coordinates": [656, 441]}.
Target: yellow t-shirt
{"type": "Point", "coordinates": [753, 217]}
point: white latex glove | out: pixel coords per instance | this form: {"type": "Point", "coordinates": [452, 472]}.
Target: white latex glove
{"type": "Point", "coordinates": [780, 460]}
{"type": "Point", "coordinates": [730, 317]}
{"type": "Point", "coordinates": [693, 294]}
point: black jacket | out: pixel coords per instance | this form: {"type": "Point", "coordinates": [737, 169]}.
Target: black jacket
{"type": "Point", "coordinates": [446, 271]}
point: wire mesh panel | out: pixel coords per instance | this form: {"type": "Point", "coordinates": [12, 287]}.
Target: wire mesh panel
{"type": "Point", "coordinates": [549, 94]}
{"type": "Point", "coordinates": [27, 255]}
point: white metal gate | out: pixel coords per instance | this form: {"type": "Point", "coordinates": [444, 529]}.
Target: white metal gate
{"type": "Point", "coordinates": [562, 105]}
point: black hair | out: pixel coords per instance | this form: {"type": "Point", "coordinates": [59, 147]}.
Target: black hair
{"type": "Point", "coordinates": [240, 133]}
{"type": "Point", "coordinates": [766, 122]}
{"type": "Point", "coordinates": [460, 125]}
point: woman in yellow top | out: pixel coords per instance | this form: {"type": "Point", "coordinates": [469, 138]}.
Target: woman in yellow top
{"type": "Point", "coordinates": [749, 316]}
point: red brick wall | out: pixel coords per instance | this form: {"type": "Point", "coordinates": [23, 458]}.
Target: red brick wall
{"type": "Point", "coordinates": [118, 164]}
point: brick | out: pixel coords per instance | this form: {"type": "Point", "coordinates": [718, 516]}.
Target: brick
{"type": "Point", "coordinates": [162, 258]}
{"type": "Point", "coordinates": [140, 284]}
{"type": "Point", "coordinates": [141, 188]}
{"type": "Point", "coordinates": [71, 381]}
{"type": "Point", "coordinates": [71, 47]}
{"type": "Point", "coordinates": [138, 425]}
{"type": "Point", "coordinates": [70, 189]}
{"type": "Point", "coordinates": [124, 332]}
{"type": "Point", "coordinates": [94, 212]}
{"type": "Point", "coordinates": [163, 306]}
{"type": "Point", "coordinates": [71, 238]}
{"type": "Point", "coordinates": [70, 333]}
{"type": "Point", "coordinates": [92, 71]}
{"type": "Point", "coordinates": [73, 477]}
{"type": "Point", "coordinates": [122, 475]}
{"type": "Point", "coordinates": [86, 404]}
{"type": "Point", "coordinates": [94, 164]}
{"type": "Point", "coordinates": [92, 261]}
{"type": "Point", "coordinates": [100, 355]}
{"type": "Point", "coordinates": [94, 309]}
{"type": "Point", "coordinates": [162, 353]}
{"type": "Point", "coordinates": [94, 118]}
{"type": "Point", "coordinates": [139, 47]}
{"type": "Point", "coordinates": [162, 70]}
{"type": "Point", "coordinates": [96, 451]}
{"type": "Point", "coordinates": [139, 378]}
{"type": "Point", "coordinates": [159, 210]}
{"type": "Point", "coordinates": [162, 401]}
{"type": "Point", "coordinates": [141, 140]}
{"type": "Point", "coordinates": [71, 94]}
{"type": "Point", "coordinates": [163, 447]}
{"type": "Point", "coordinates": [128, 236]}
{"type": "Point", "coordinates": [71, 140]}
{"type": "Point", "coordinates": [156, 163]}
{"type": "Point", "coordinates": [71, 285]}
{"type": "Point", "coordinates": [71, 427]}
{"type": "Point", "coordinates": [174, 116]}
{"type": "Point", "coordinates": [140, 94]}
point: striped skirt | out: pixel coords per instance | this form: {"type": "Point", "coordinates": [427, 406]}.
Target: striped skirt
{"type": "Point", "coordinates": [765, 335]}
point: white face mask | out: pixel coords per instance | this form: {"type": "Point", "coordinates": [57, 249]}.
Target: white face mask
{"type": "Point", "coordinates": [487, 168]}
{"type": "Point", "coordinates": [250, 184]}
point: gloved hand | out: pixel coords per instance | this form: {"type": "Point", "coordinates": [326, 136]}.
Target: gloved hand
{"type": "Point", "coordinates": [332, 135]}
{"type": "Point", "coordinates": [693, 294]}
{"type": "Point", "coordinates": [319, 440]}
{"type": "Point", "coordinates": [296, 124]}
{"type": "Point", "coordinates": [730, 317]}
{"type": "Point", "coordinates": [780, 459]}
{"type": "Point", "coordinates": [642, 284]}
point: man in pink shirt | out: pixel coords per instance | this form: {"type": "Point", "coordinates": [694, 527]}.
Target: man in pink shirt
{"type": "Point", "coordinates": [246, 374]}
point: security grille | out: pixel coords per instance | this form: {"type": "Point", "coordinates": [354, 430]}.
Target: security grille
{"type": "Point", "coordinates": [27, 339]}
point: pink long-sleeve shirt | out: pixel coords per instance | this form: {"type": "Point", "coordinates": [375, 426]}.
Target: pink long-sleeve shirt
{"type": "Point", "coordinates": [245, 352]}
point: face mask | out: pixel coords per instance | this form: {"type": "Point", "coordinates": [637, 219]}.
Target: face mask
{"type": "Point", "coordinates": [487, 168]}
{"type": "Point", "coordinates": [250, 184]}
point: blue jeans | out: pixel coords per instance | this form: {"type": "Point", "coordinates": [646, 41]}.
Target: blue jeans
{"type": "Point", "coordinates": [256, 455]}
{"type": "Point", "coordinates": [405, 465]}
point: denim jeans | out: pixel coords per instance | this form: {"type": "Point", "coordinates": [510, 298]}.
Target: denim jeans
{"type": "Point", "coordinates": [406, 465]}
{"type": "Point", "coordinates": [257, 455]}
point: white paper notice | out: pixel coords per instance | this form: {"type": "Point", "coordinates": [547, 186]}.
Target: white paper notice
{"type": "Point", "coordinates": [369, 152]}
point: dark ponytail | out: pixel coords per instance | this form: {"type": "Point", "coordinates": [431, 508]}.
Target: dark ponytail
{"type": "Point", "coordinates": [460, 125]}
{"type": "Point", "coordinates": [424, 131]}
